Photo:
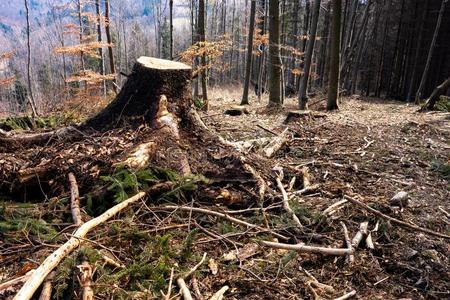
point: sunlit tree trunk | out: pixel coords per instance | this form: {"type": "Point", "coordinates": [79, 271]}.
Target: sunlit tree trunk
{"type": "Point", "coordinates": [30, 89]}
{"type": "Point", "coordinates": [249, 53]}
{"type": "Point", "coordinates": [201, 34]}
{"type": "Point", "coordinates": [99, 39]}
{"type": "Point", "coordinates": [302, 95]}
{"type": "Point", "coordinates": [274, 68]}
{"type": "Point", "coordinates": [333, 85]}
{"type": "Point", "coordinates": [109, 40]}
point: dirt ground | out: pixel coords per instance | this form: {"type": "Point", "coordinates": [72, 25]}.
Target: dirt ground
{"type": "Point", "coordinates": [370, 149]}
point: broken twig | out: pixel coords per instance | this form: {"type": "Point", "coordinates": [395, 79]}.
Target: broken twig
{"type": "Point", "coordinates": [393, 220]}
{"type": "Point", "coordinates": [308, 249]}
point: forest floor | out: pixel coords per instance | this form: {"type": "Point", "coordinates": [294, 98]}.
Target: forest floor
{"type": "Point", "coordinates": [370, 149]}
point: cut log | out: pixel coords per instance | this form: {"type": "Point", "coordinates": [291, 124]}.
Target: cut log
{"type": "Point", "coordinates": [236, 110]}
{"type": "Point", "coordinates": [272, 148]}
{"type": "Point", "coordinates": [75, 200]}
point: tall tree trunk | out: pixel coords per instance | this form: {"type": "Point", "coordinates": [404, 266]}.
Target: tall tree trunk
{"type": "Point", "coordinates": [430, 52]}
{"type": "Point", "coordinates": [274, 54]}
{"type": "Point", "coordinates": [201, 35]}
{"type": "Point", "coordinates": [99, 39]}
{"type": "Point", "coordinates": [417, 54]}
{"type": "Point", "coordinates": [249, 52]}
{"type": "Point", "coordinates": [324, 45]}
{"type": "Point", "coordinates": [80, 23]}
{"type": "Point", "coordinates": [333, 85]}
{"type": "Point", "coordinates": [302, 95]}
{"type": "Point", "coordinates": [30, 89]}
{"type": "Point", "coordinates": [233, 20]}
{"type": "Point", "coordinates": [395, 59]}
{"type": "Point", "coordinates": [109, 40]}
{"type": "Point", "coordinates": [171, 27]}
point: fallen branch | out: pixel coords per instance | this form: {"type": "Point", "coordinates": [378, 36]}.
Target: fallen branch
{"type": "Point", "coordinates": [360, 235]}
{"type": "Point", "coordinates": [169, 290]}
{"type": "Point", "coordinates": [346, 296]}
{"type": "Point", "coordinates": [286, 206]}
{"type": "Point", "coordinates": [33, 283]}
{"type": "Point", "coordinates": [46, 292]}
{"type": "Point", "coordinates": [272, 148]}
{"type": "Point", "coordinates": [393, 220]}
{"type": "Point", "coordinates": [221, 215]}
{"type": "Point", "coordinates": [350, 258]}
{"type": "Point", "coordinates": [8, 285]}
{"type": "Point", "coordinates": [181, 281]}
{"type": "Point", "coordinates": [85, 280]}
{"type": "Point", "coordinates": [219, 294]}
{"type": "Point", "coordinates": [334, 207]}
{"type": "Point", "coordinates": [75, 200]}
{"type": "Point", "coordinates": [308, 249]}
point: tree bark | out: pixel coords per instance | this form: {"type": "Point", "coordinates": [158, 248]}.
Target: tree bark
{"type": "Point", "coordinates": [248, 66]}
{"type": "Point", "coordinates": [302, 96]}
{"type": "Point", "coordinates": [333, 86]}
{"type": "Point", "coordinates": [99, 39]}
{"type": "Point", "coordinates": [430, 52]}
{"type": "Point", "coordinates": [274, 55]}
{"type": "Point", "coordinates": [109, 40]}
{"type": "Point", "coordinates": [202, 37]}
{"type": "Point", "coordinates": [417, 54]}
{"type": "Point", "coordinates": [171, 27]}
{"type": "Point", "coordinates": [30, 89]}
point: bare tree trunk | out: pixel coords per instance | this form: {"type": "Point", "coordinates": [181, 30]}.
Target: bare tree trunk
{"type": "Point", "coordinates": [99, 39]}
{"type": "Point", "coordinates": [109, 40]}
{"type": "Point", "coordinates": [274, 54]}
{"type": "Point", "coordinates": [302, 95]}
{"type": "Point", "coordinates": [417, 54]}
{"type": "Point", "coordinates": [324, 45]}
{"type": "Point", "coordinates": [430, 52]}
{"type": "Point", "coordinates": [171, 27]}
{"type": "Point", "coordinates": [233, 20]}
{"type": "Point", "coordinates": [395, 59]}
{"type": "Point", "coordinates": [333, 85]}
{"type": "Point", "coordinates": [30, 89]}
{"type": "Point", "coordinates": [249, 52]}
{"type": "Point", "coordinates": [201, 34]}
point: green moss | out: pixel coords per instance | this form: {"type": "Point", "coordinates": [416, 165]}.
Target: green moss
{"type": "Point", "coordinates": [442, 168]}
{"type": "Point", "coordinates": [443, 104]}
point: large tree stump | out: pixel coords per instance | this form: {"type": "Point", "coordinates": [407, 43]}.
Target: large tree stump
{"type": "Point", "coordinates": [138, 101]}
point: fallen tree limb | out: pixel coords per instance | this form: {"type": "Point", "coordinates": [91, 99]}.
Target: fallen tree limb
{"type": "Point", "coordinates": [33, 283]}
{"type": "Point", "coordinates": [360, 235]}
{"type": "Point", "coordinates": [10, 284]}
{"type": "Point", "coordinates": [286, 206]}
{"type": "Point", "coordinates": [46, 293]}
{"type": "Point", "coordinates": [346, 296]}
{"type": "Point", "coordinates": [219, 294]}
{"type": "Point", "coordinates": [85, 280]}
{"type": "Point", "coordinates": [308, 249]}
{"type": "Point", "coordinates": [75, 200]}
{"type": "Point", "coordinates": [275, 144]}
{"type": "Point", "coordinates": [181, 281]}
{"type": "Point", "coordinates": [396, 221]}
{"type": "Point", "coordinates": [350, 258]}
